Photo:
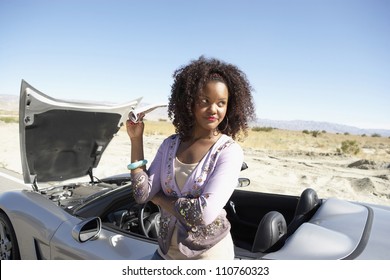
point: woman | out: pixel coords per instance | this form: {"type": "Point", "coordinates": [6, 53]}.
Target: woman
{"type": "Point", "coordinates": [196, 170]}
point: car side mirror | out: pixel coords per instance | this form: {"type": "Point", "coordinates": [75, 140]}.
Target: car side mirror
{"type": "Point", "coordinates": [243, 182]}
{"type": "Point", "coordinates": [244, 166]}
{"type": "Point", "coordinates": [88, 229]}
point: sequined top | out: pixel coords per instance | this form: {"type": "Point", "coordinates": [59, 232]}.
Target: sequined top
{"type": "Point", "coordinates": [199, 206]}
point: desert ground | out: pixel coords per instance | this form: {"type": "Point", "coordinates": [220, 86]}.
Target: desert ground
{"type": "Point", "coordinates": [279, 161]}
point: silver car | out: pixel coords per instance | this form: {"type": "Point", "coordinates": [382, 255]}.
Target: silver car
{"type": "Point", "coordinates": [98, 218]}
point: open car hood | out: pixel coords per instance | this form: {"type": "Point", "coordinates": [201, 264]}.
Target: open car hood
{"type": "Point", "coordinates": [61, 140]}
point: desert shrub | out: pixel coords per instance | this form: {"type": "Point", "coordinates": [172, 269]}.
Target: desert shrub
{"type": "Point", "coordinates": [349, 147]}
{"type": "Point", "coordinates": [260, 128]}
{"type": "Point", "coordinates": [313, 133]}
{"type": "Point", "coordinates": [376, 135]}
{"type": "Point", "coordinates": [9, 119]}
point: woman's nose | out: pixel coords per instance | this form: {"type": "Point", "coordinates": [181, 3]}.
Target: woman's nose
{"type": "Point", "coordinates": [212, 108]}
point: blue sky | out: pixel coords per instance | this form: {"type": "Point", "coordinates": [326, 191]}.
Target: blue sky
{"type": "Point", "coordinates": [306, 59]}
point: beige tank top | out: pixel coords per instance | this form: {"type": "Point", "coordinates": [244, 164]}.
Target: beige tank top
{"type": "Point", "coordinates": [223, 250]}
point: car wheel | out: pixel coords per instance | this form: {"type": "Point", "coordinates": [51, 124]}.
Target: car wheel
{"type": "Point", "coordinates": [8, 243]}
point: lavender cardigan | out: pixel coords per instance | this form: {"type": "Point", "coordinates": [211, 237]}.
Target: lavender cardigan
{"type": "Point", "coordinates": [199, 206]}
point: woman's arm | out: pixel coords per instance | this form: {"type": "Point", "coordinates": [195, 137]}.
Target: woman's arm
{"type": "Point", "coordinates": [165, 202]}
{"type": "Point", "coordinates": [220, 186]}
{"type": "Point", "coordinates": [136, 133]}
{"type": "Point", "coordinates": [141, 180]}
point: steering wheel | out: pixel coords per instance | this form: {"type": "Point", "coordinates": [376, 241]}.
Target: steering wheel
{"type": "Point", "coordinates": [149, 220]}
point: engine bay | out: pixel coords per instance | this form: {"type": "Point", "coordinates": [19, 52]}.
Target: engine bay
{"type": "Point", "coordinates": [75, 194]}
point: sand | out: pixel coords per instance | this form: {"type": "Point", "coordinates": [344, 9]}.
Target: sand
{"type": "Point", "coordinates": [284, 172]}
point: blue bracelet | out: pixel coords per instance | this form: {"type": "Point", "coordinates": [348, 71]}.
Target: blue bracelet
{"type": "Point", "coordinates": [137, 164]}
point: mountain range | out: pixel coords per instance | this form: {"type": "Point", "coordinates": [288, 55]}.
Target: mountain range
{"type": "Point", "coordinates": [301, 125]}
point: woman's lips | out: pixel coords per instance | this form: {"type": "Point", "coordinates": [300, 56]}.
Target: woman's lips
{"type": "Point", "coordinates": [212, 119]}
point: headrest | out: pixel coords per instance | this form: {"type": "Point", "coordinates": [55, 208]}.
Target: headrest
{"type": "Point", "coordinates": [271, 228]}
{"type": "Point", "coordinates": [307, 202]}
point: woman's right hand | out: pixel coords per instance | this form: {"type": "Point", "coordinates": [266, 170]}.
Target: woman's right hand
{"type": "Point", "coordinates": [135, 130]}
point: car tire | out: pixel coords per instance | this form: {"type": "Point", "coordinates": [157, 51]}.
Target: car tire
{"type": "Point", "coordinates": [8, 242]}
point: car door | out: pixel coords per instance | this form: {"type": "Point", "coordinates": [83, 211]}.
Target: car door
{"type": "Point", "coordinates": [108, 244]}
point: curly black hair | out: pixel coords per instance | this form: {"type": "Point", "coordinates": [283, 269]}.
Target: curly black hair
{"type": "Point", "coordinates": [189, 80]}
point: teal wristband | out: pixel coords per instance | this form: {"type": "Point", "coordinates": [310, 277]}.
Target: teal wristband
{"type": "Point", "coordinates": [137, 164]}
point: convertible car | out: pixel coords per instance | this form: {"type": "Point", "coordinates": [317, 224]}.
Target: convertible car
{"type": "Point", "coordinates": [60, 217]}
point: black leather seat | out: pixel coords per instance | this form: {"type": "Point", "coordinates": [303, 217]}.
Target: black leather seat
{"type": "Point", "coordinates": [271, 229]}
{"type": "Point", "coordinates": [308, 204]}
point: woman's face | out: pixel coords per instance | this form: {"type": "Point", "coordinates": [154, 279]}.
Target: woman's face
{"type": "Point", "coordinates": [211, 106]}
